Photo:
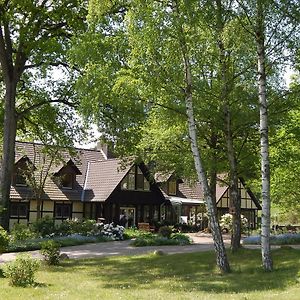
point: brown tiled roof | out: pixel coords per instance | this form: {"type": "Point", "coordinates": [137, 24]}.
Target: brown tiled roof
{"type": "Point", "coordinates": [52, 191]}
{"type": "Point", "coordinates": [103, 177]}
{"type": "Point", "coordinates": [194, 190]}
{"type": "Point", "coordinates": [162, 177]}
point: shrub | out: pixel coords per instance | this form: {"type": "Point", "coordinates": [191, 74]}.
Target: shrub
{"type": "Point", "coordinates": [226, 223]}
{"type": "Point", "coordinates": [21, 232]}
{"type": "Point", "coordinates": [154, 240]}
{"type": "Point", "coordinates": [4, 240]}
{"type": "Point", "coordinates": [131, 233]}
{"type": "Point", "coordinates": [21, 271]}
{"type": "Point", "coordinates": [74, 226]}
{"type": "Point", "coordinates": [51, 252]}
{"type": "Point", "coordinates": [165, 231]}
{"type": "Point", "coordinates": [67, 227]}
{"type": "Point", "coordinates": [88, 227]}
{"type": "Point", "coordinates": [112, 231]}
{"type": "Point", "coordinates": [181, 238]}
{"type": "Point", "coordinates": [44, 226]}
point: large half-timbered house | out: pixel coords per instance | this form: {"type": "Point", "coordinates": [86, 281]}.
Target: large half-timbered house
{"type": "Point", "coordinates": [87, 184]}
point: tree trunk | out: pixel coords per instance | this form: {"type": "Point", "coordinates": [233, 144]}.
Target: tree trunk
{"type": "Point", "coordinates": [264, 141]}
{"type": "Point", "coordinates": [9, 136]}
{"type": "Point", "coordinates": [213, 172]}
{"type": "Point", "coordinates": [222, 260]}
{"type": "Point", "coordinates": [235, 200]}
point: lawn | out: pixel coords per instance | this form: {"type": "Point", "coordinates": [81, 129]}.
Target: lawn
{"type": "Point", "coordinates": [179, 276]}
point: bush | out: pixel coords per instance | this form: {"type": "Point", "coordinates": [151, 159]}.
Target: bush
{"type": "Point", "coordinates": [74, 226]}
{"type": "Point", "coordinates": [67, 227]}
{"type": "Point", "coordinates": [21, 271]}
{"type": "Point", "coordinates": [181, 238]}
{"type": "Point", "coordinates": [165, 231]}
{"type": "Point", "coordinates": [21, 232]}
{"type": "Point", "coordinates": [154, 240]}
{"type": "Point", "coordinates": [51, 252]}
{"type": "Point", "coordinates": [226, 223]}
{"type": "Point", "coordinates": [44, 226]}
{"type": "Point", "coordinates": [4, 240]}
{"type": "Point", "coordinates": [112, 231]}
{"type": "Point", "coordinates": [131, 233]}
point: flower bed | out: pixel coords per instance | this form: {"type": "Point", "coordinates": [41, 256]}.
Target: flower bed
{"type": "Point", "coordinates": [100, 233]}
{"type": "Point", "coordinates": [279, 239]}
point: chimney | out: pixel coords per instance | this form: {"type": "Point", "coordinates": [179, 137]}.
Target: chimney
{"type": "Point", "coordinates": [105, 149]}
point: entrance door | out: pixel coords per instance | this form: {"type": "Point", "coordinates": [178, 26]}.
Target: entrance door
{"type": "Point", "coordinates": [127, 216]}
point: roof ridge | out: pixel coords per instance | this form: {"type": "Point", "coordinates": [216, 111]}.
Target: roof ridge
{"type": "Point", "coordinates": [64, 147]}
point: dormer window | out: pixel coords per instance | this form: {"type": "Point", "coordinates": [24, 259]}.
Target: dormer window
{"type": "Point", "coordinates": [67, 181]}
{"type": "Point", "coordinates": [22, 170]}
{"type": "Point", "coordinates": [135, 180]}
{"type": "Point", "coordinates": [20, 178]}
{"type": "Point", "coordinates": [66, 175]}
{"type": "Point", "coordinates": [172, 187]}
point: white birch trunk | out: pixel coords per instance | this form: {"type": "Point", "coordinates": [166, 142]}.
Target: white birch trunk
{"type": "Point", "coordinates": [222, 260]}
{"type": "Point", "coordinates": [264, 143]}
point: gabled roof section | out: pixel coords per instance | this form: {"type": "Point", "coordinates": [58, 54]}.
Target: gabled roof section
{"type": "Point", "coordinates": [103, 177]}
{"type": "Point", "coordinates": [161, 177]}
{"type": "Point", "coordinates": [79, 159]}
{"type": "Point", "coordinates": [70, 164]}
{"type": "Point", "coordinates": [21, 160]}
{"type": "Point", "coordinates": [194, 190]}
{"type": "Point", "coordinates": [253, 197]}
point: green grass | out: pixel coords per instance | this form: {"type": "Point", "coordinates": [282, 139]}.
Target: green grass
{"type": "Point", "coordinates": [179, 276]}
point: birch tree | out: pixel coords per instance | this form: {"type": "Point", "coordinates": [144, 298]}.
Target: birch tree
{"type": "Point", "coordinates": [274, 26]}
{"type": "Point", "coordinates": [222, 261]}
{"type": "Point", "coordinates": [159, 75]}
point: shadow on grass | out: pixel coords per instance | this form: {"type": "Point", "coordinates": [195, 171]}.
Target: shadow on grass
{"type": "Point", "coordinates": [41, 285]}
{"type": "Point", "coordinates": [190, 272]}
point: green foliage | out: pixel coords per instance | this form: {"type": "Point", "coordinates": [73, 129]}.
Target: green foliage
{"type": "Point", "coordinates": [44, 226]}
{"type": "Point", "coordinates": [21, 271]}
{"type": "Point", "coordinates": [68, 227]}
{"type": "Point", "coordinates": [285, 157]}
{"type": "Point", "coordinates": [158, 240]}
{"type": "Point", "coordinates": [51, 252]}
{"type": "Point", "coordinates": [181, 238]}
{"type": "Point", "coordinates": [131, 233]}
{"type": "Point", "coordinates": [165, 231]}
{"type": "Point", "coordinates": [4, 240]}
{"type": "Point", "coordinates": [21, 232]}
